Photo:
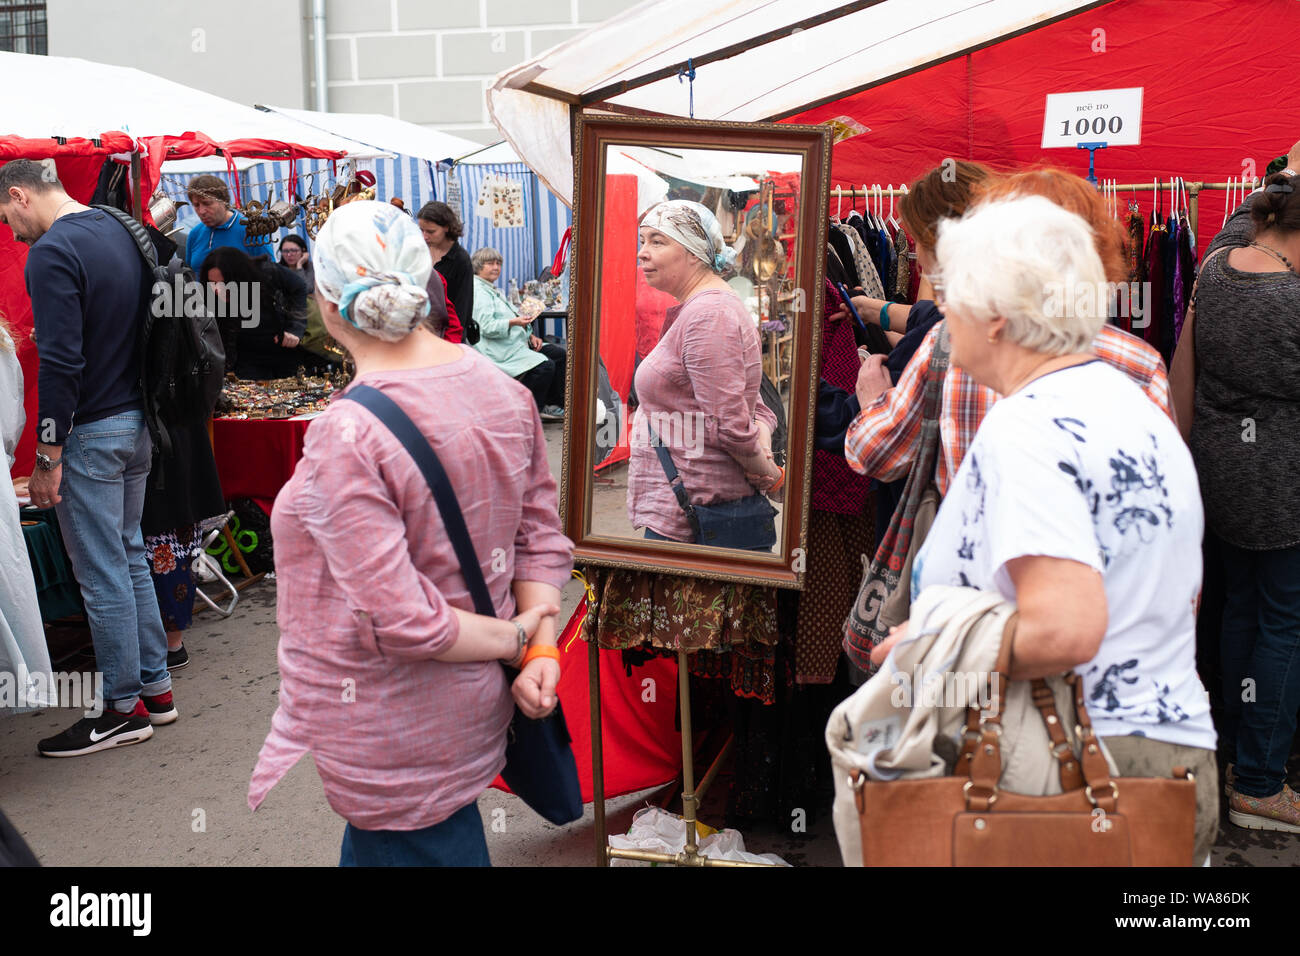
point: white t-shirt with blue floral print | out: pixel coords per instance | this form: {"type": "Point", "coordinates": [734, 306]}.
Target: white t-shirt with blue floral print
{"type": "Point", "coordinates": [1081, 465]}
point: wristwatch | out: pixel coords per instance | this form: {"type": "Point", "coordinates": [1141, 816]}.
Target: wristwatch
{"type": "Point", "coordinates": [46, 463]}
{"type": "Point", "coordinates": [522, 635]}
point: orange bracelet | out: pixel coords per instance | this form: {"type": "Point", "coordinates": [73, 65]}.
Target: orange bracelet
{"type": "Point", "coordinates": [540, 650]}
{"type": "Point", "coordinates": [779, 482]}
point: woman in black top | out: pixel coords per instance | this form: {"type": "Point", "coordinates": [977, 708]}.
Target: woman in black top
{"type": "Point", "coordinates": [1245, 439]}
{"type": "Point", "coordinates": [265, 306]}
{"type": "Point", "coordinates": [293, 253]}
{"type": "Point", "coordinates": [442, 228]}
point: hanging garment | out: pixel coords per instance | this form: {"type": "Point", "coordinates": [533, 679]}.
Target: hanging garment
{"type": "Point", "coordinates": [858, 223]}
{"type": "Point", "coordinates": [840, 242]}
{"type": "Point", "coordinates": [836, 543]}
{"type": "Point", "coordinates": [1170, 247]}
{"type": "Point", "coordinates": [1153, 300]}
{"type": "Point", "coordinates": [903, 277]}
{"type": "Point", "coordinates": [24, 656]}
{"type": "Point", "coordinates": [914, 280]}
{"type": "Point", "coordinates": [869, 279]}
{"type": "Point", "coordinates": [1137, 267]}
{"type": "Point", "coordinates": [835, 486]}
{"type": "Point", "coordinates": [1184, 276]}
{"type": "Point", "coordinates": [873, 245]}
{"type": "Point", "coordinates": [890, 278]}
{"type": "Point", "coordinates": [884, 246]}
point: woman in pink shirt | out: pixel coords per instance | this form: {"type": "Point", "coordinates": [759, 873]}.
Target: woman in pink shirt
{"type": "Point", "coordinates": [698, 388]}
{"type": "Point", "coordinates": [386, 677]}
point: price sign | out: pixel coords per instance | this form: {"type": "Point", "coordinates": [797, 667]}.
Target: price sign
{"type": "Point", "coordinates": [1113, 117]}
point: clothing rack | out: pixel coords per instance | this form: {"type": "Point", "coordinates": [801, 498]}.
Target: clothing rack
{"type": "Point", "coordinates": [1193, 189]}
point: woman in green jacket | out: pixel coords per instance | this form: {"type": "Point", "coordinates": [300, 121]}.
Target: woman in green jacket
{"type": "Point", "coordinates": [506, 340]}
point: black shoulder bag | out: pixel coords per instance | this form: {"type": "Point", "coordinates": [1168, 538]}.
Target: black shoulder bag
{"type": "Point", "coordinates": [540, 769]}
{"type": "Point", "coordinates": [746, 523]}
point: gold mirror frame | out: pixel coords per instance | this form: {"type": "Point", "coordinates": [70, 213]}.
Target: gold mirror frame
{"type": "Point", "coordinates": [593, 134]}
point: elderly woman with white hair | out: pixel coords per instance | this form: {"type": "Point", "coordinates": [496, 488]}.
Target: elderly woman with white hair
{"type": "Point", "coordinates": [504, 337]}
{"type": "Point", "coordinates": [386, 675]}
{"type": "Point", "coordinates": [1077, 500]}
{"type": "Point", "coordinates": [700, 411]}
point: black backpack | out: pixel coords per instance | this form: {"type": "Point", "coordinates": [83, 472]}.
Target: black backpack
{"type": "Point", "coordinates": [182, 360]}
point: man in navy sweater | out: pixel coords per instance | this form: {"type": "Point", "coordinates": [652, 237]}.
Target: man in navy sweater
{"type": "Point", "coordinates": [90, 291]}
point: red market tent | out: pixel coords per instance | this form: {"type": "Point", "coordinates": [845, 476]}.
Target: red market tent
{"type": "Point", "coordinates": [930, 81]}
{"type": "Point", "coordinates": [949, 78]}
{"type": "Point", "coordinates": [83, 114]}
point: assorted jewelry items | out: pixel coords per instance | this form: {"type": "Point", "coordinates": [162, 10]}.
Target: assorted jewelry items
{"type": "Point", "coordinates": [278, 398]}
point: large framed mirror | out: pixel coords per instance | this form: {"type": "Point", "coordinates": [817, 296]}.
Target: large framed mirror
{"type": "Point", "coordinates": [693, 337]}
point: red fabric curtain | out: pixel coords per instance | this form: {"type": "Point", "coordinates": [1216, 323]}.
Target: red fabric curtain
{"type": "Point", "coordinates": [616, 318]}
{"type": "Point", "coordinates": [642, 746]}
{"type": "Point", "coordinates": [1211, 107]}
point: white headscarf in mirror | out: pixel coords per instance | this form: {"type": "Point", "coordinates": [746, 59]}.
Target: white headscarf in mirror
{"type": "Point", "coordinates": [695, 228]}
{"type": "Point", "coordinates": [372, 261]}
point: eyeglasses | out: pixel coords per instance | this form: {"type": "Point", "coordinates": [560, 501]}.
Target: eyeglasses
{"type": "Point", "coordinates": [936, 283]}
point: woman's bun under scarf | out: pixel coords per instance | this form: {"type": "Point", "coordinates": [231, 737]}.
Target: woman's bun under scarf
{"type": "Point", "coordinates": [371, 260]}
{"type": "Point", "coordinates": [695, 228]}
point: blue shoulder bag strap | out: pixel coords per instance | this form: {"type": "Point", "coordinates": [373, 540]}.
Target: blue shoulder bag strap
{"type": "Point", "coordinates": [404, 430]}
{"type": "Point", "coordinates": [540, 768]}
{"type": "Point", "coordinates": [675, 481]}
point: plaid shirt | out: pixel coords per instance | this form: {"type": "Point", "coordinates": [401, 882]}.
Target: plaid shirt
{"type": "Point", "coordinates": [884, 437]}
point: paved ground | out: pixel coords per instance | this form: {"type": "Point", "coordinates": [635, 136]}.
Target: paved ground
{"type": "Point", "coordinates": [180, 798]}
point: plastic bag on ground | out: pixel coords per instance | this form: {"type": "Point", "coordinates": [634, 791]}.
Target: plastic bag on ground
{"type": "Point", "coordinates": [658, 831]}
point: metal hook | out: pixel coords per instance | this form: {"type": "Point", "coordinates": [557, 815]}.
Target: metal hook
{"type": "Point", "coordinates": [688, 73]}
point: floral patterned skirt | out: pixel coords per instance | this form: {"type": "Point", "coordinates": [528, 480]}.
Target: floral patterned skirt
{"type": "Point", "coordinates": [733, 626]}
{"type": "Point", "coordinates": [171, 557]}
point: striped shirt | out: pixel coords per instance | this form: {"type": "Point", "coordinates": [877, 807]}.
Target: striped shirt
{"type": "Point", "coordinates": [883, 440]}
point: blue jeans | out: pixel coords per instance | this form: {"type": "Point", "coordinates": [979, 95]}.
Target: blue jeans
{"type": "Point", "coordinates": [456, 841]}
{"type": "Point", "coordinates": [652, 535]}
{"type": "Point", "coordinates": [1260, 643]}
{"type": "Point", "coordinates": [105, 464]}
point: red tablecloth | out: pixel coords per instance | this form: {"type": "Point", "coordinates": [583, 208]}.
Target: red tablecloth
{"type": "Point", "coordinates": [256, 458]}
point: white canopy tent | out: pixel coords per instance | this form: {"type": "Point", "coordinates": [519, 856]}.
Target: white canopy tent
{"type": "Point", "coordinates": [754, 60]}
{"type": "Point", "coordinates": [383, 133]}
{"type": "Point", "coordinates": [70, 97]}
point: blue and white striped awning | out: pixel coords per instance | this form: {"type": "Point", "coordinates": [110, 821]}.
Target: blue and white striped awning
{"type": "Point", "coordinates": [526, 251]}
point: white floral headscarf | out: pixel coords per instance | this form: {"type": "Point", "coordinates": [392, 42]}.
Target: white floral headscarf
{"type": "Point", "coordinates": [372, 261]}
{"type": "Point", "coordinates": [695, 228]}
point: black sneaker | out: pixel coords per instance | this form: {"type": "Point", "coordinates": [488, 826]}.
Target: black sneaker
{"type": "Point", "coordinates": [161, 708]}
{"type": "Point", "coordinates": [178, 658]}
{"type": "Point", "coordinates": [109, 729]}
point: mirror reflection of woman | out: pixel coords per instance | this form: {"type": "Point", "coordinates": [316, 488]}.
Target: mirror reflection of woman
{"type": "Point", "coordinates": [699, 387]}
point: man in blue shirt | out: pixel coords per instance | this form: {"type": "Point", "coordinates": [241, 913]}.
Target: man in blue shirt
{"type": "Point", "coordinates": [90, 291]}
{"type": "Point", "coordinates": [218, 225]}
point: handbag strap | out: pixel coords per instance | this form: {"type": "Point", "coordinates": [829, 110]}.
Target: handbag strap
{"type": "Point", "coordinates": [453, 520]}
{"type": "Point", "coordinates": [675, 481]}
{"type": "Point", "coordinates": [1101, 788]}
{"type": "Point", "coordinates": [983, 745]}
{"type": "Point", "coordinates": [1045, 700]}
{"type": "Point", "coordinates": [934, 380]}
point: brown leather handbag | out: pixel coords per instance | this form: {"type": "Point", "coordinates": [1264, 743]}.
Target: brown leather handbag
{"type": "Point", "coordinates": [964, 820]}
